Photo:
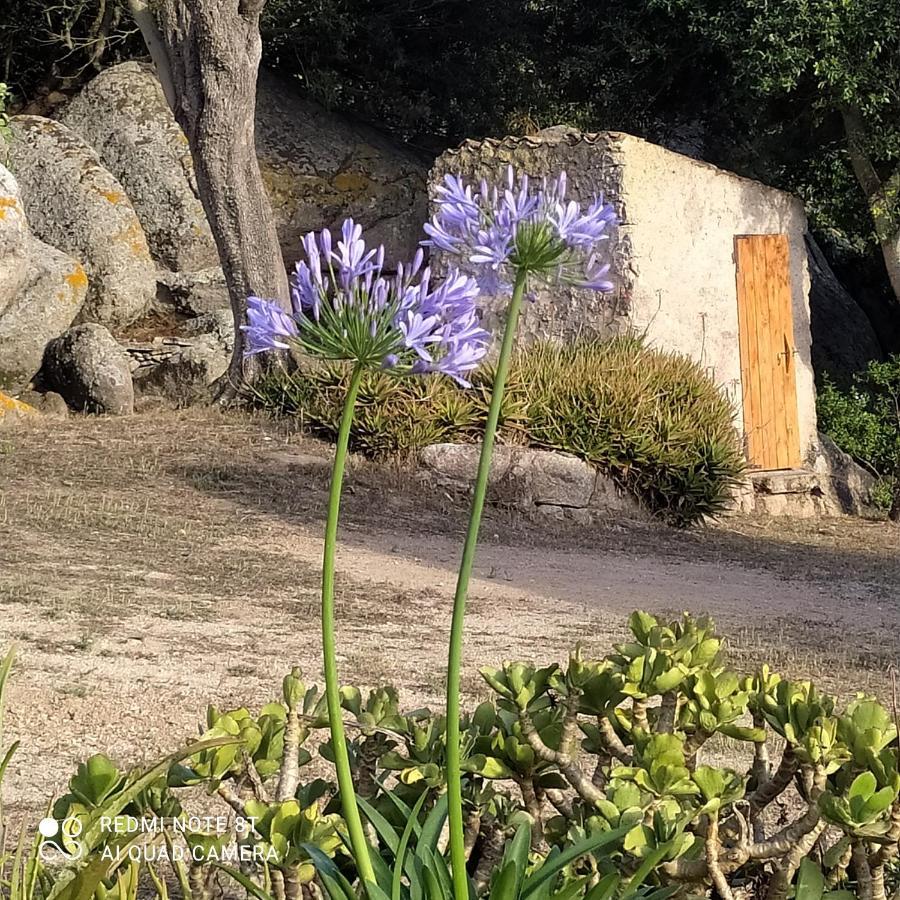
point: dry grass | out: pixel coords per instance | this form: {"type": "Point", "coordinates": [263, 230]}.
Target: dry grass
{"type": "Point", "coordinates": [151, 565]}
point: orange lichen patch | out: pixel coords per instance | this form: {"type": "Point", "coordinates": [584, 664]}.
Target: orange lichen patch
{"type": "Point", "coordinates": [113, 196]}
{"type": "Point", "coordinates": [11, 407]}
{"type": "Point", "coordinates": [77, 278]}
{"type": "Point", "coordinates": [9, 203]}
{"type": "Point", "coordinates": [134, 236]}
{"type": "Point", "coordinates": [350, 181]}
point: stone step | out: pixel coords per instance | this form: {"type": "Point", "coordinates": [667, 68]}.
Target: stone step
{"type": "Point", "coordinates": [785, 481]}
{"type": "Point", "coordinates": [798, 493]}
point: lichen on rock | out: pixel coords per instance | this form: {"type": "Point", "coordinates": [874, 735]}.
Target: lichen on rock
{"type": "Point", "coordinates": [74, 204]}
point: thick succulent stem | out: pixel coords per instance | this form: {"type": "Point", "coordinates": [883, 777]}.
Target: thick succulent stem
{"type": "Point", "coordinates": [332, 684]}
{"type": "Point", "coordinates": [202, 881]}
{"type": "Point", "coordinates": [532, 805]}
{"type": "Point", "coordinates": [568, 740]}
{"type": "Point", "coordinates": [639, 714]}
{"type": "Point", "coordinates": [693, 744]}
{"type": "Point", "coordinates": [784, 872]}
{"type": "Point", "coordinates": [799, 833]}
{"type": "Point", "coordinates": [259, 789]}
{"type": "Point", "coordinates": [491, 854]}
{"type": "Point", "coordinates": [760, 771]}
{"type": "Point", "coordinates": [668, 709]}
{"type": "Point", "coordinates": [879, 891]}
{"type": "Point", "coordinates": [598, 778]}
{"type": "Point", "coordinates": [712, 858]}
{"type": "Point", "coordinates": [289, 776]}
{"type": "Point", "coordinates": [560, 802]}
{"type": "Point", "coordinates": [278, 889]}
{"type": "Point", "coordinates": [612, 741]}
{"type": "Point", "coordinates": [227, 792]}
{"type": "Point", "coordinates": [837, 872]}
{"type": "Point", "coordinates": [367, 760]}
{"type": "Point", "coordinates": [584, 787]}
{"type": "Point", "coordinates": [454, 660]}
{"type": "Point", "coordinates": [777, 784]}
{"type": "Point", "coordinates": [473, 830]}
{"type": "Point", "coordinates": [862, 871]}
{"type": "Point", "coordinates": [293, 889]}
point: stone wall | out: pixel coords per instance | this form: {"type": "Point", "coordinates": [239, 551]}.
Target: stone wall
{"type": "Point", "coordinates": [559, 312]}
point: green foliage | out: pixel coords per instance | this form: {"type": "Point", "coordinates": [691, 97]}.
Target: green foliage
{"type": "Point", "coordinates": [54, 45]}
{"type": "Point", "coordinates": [652, 420]}
{"type": "Point", "coordinates": [864, 421]}
{"type": "Point", "coordinates": [811, 884]}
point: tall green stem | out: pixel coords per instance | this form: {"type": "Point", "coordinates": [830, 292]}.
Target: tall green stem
{"type": "Point", "coordinates": [332, 684]}
{"type": "Point", "coordinates": [454, 662]}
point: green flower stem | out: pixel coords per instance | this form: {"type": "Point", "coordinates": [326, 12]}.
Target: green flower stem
{"type": "Point", "coordinates": [454, 662]}
{"type": "Point", "coordinates": [332, 684]}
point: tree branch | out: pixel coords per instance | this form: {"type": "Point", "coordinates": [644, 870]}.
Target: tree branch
{"type": "Point", "coordinates": [777, 784]}
{"type": "Point", "coordinates": [146, 22]}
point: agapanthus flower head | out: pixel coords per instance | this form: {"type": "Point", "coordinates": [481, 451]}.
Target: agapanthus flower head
{"type": "Point", "coordinates": [345, 307]}
{"type": "Point", "coordinates": [523, 227]}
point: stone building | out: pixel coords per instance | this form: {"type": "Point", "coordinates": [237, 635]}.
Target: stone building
{"type": "Point", "coordinates": [706, 263]}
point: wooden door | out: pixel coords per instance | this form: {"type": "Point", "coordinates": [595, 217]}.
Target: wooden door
{"type": "Point", "coordinates": [767, 351]}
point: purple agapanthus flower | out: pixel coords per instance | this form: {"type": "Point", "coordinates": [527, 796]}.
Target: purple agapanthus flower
{"type": "Point", "coordinates": [523, 228]}
{"type": "Point", "coordinates": [345, 307]}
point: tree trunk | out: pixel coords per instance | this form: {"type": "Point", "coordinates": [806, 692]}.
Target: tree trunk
{"type": "Point", "coordinates": [882, 196]}
{"type": "Point", "coordinates": [207, 53]}
{"type": "Point", "coordinates": [894, 514]}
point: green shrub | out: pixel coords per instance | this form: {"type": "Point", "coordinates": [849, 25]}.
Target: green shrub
{"type": "Point", "coordinates": [652, 420]}
{"type": "Point", "coordinates": [864, 421]}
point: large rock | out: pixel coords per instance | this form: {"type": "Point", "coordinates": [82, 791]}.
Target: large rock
{"type": "Point", "coordinates": [14, 239]}
{"type": "Point", "coordinates": [123, 115]}
{"type": "Point", "coordinates": [46, 305]}
{"type": "Point", "coordinates": [320, 168]}
{"type": "Point", "coordinates": [75, 204]}
{"type": "Point", "coordinates": [195, 293]}
{"type": "Point", "coordinates": [843, 339]}
{"type": "Point", "coordinates": [49, 404]}
{"type": "Point", "coordinates": [846, 483]}
{"type": "Point", "coordinates": [541, 481]}
{"type": "Point", "coordinates": [90, 370]}
{"type": "Point", "coordinates": [41, 290]}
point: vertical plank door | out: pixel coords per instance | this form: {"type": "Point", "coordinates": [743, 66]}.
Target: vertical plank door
{"type": "Point", "coordinates": [766, 330]}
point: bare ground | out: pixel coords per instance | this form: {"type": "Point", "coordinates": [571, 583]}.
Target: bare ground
{"type": "Point", "coordinates": [152, 565]}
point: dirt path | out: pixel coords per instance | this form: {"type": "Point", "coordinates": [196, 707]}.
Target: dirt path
{"type": "Point", "coordinates": [153, 565]}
